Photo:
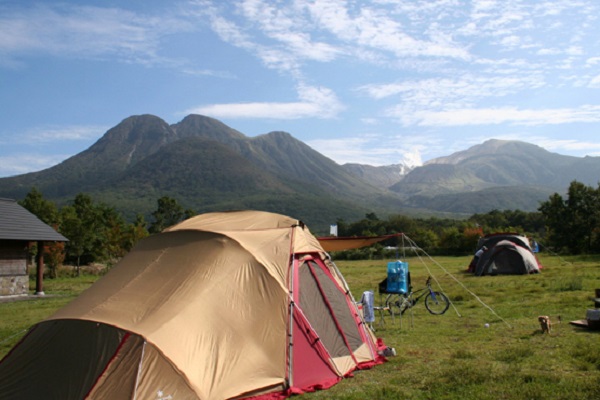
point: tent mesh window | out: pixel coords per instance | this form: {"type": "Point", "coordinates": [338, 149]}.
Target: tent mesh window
{"type": "Point", "coordinates": [326, 308]}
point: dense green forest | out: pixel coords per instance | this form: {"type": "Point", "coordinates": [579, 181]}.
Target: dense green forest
{"type": "Point", "coordinates": [99, 234]}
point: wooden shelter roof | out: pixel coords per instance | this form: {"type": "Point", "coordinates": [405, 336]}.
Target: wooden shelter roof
{"type": "Point", "coordinates": [17, 223]}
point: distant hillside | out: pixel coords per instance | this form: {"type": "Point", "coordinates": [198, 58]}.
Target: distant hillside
{"type": "Point", "coordinates": [120, 148]}
{"type": "Point", "coordinates": [382, 177]}
{"type": "Point", "coordinates": [207, 166]}
{"type": "Point", "coordinates": [497, 174]}
{"type": "Point", "coordinates": [509, 162]}
{"type": "Point", "coordinates": [525, 198]}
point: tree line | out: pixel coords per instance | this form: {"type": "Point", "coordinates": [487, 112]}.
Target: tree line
{"type": "Point", "coordinates": [97, 233]}
{"type": "Point", "coordinates": [563, 224]}
{"type": "Point", "coordinates": [438, 235]}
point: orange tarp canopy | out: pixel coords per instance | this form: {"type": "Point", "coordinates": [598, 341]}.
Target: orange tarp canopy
{"type": "Point", "coordinates": [346, 243]}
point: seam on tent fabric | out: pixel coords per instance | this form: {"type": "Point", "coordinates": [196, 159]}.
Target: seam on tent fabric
{"type": "Point", "coordinates": [226, 234]}
{"type": "Point", "coordinates": [139, 370]}
{"type": "Point", "coordinates": [279, 395]}
{"type": "Point", "coordinates": [170, 363]}
{"type": "Point", "coordinates": [117, 350]}
{"type": "Point", "coordinates": [337, 323]}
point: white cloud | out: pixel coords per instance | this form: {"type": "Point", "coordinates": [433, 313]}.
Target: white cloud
{"type": "Point", "coordinates": [369, 121]}
{"type": "Point", "coordinates": [432, 64]}
{"type": "Point", "coordinates": [229, 32]}
{"type": "Point", "coordinates": [209, 73]}
{"type": "Point", "coordinates": [372, 28]}
{"type": "Point", "coordinates": [276, 35]}
{"type": "Point", "coordinates": [438, 93]}
{"type": "Point", "coordinates": [569, 145]}
{"type": "Point", "coordinates": [412, 158]}
{"type": "Point", "coordinates": [89, 32]}
{"type": "Point", "coordinates": [549, 52]}
{"type": "Point", "coordinates": [376, 149]}
{"type": "Point", "coordinates": [18, 164]}
{"type": "Point", "coordinates": [288, 35]}
{"type": "Point", "coordinates": [592, 62]}
{"type": "Point", "coordinates": [346, 150]}
{"type": "Point", "coordinates": [314, 102]}
{"type": "Point", "coordinates": [49, 134]}
{"type": "Point", "coordinates": [595, 82]}
{"type": "Point", "coordinates": [491, 116]}
{"type": "Point", "coordinates": [511, 41]}
{"type": "Point", "coordinates": [282, 25]}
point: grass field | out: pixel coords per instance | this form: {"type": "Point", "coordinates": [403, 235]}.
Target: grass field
{"type": "Point", "coordinates": [453, 356]}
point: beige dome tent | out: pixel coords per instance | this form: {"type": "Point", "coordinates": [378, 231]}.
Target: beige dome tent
{"type": "Point", "coordinates": [220, 306]}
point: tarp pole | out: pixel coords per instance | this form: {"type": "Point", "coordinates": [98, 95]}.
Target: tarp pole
{"type": "Point", "coordinates": [39, 282]}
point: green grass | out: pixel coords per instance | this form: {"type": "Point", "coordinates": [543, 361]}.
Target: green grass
{"type": "Point", "coordinates": [452, 356]}
{"type": "Point", "coordinates": [16, 317]}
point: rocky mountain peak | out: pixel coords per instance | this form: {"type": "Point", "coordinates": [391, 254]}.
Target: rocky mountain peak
{"type": "Point", "coordinates": [206, 127]}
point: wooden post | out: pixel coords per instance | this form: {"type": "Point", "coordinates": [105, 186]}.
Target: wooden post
{"type": "Point", "coordinates": [39, 284]}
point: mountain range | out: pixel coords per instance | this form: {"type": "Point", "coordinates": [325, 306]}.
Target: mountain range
{"type": "Point", "coordinates": [207, 166]}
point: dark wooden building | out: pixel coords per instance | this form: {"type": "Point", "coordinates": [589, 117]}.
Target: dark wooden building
{"type": "Point", "coordinates": [18, 229]}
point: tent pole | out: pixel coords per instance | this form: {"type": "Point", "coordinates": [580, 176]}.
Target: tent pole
{"type": "Point", "coordinates": [290, 336]}
{"type": "Point", "coordinates": [293, 266]}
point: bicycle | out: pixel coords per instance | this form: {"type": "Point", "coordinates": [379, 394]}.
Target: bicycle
{"type": "Point", "coordinates": [435, 302]}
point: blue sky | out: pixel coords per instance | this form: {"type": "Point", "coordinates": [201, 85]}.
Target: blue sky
{"type": "Point", "coordinates": [374, 82]}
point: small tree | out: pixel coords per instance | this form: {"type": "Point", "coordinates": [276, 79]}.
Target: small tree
{"type": "Point", "coordinates": [44, 209]}
{"type": "Point", "coordinates": [113, 238]}
{"type": "Point", "coordinates": [82, 224]}
{"type": "Point", "coordinates": [471, 236]}
{"type": "Point", "coordinates": [425, 238]}
{"type": "Point", "coordinates": [135, 232]}
{"type": "Point", "coordinates": [573, 223]}
{"type": "Point", "coordinates": [169, 212]}
{"type": "Point", "coordinates": [451, 240]}
{"type": "Point", "coordinates": [54, 256]}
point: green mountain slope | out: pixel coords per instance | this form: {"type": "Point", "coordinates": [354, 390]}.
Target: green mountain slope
{"type": "Point", "coordinates": [525, 198]}
{"type": "Point", "coordinates": [132, 140]}
{"type": "Point", "coordinates": [283, 155]}
{"type": "Point", "coordinates": [497, 174]}
{"type": "Point", "coordinates": [509, 162]}
{"type": "Point", "coordinates": [208, 166]}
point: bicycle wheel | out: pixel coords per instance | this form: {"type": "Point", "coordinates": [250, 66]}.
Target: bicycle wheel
{"type": "Point", "coordinates": [437, 303]}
